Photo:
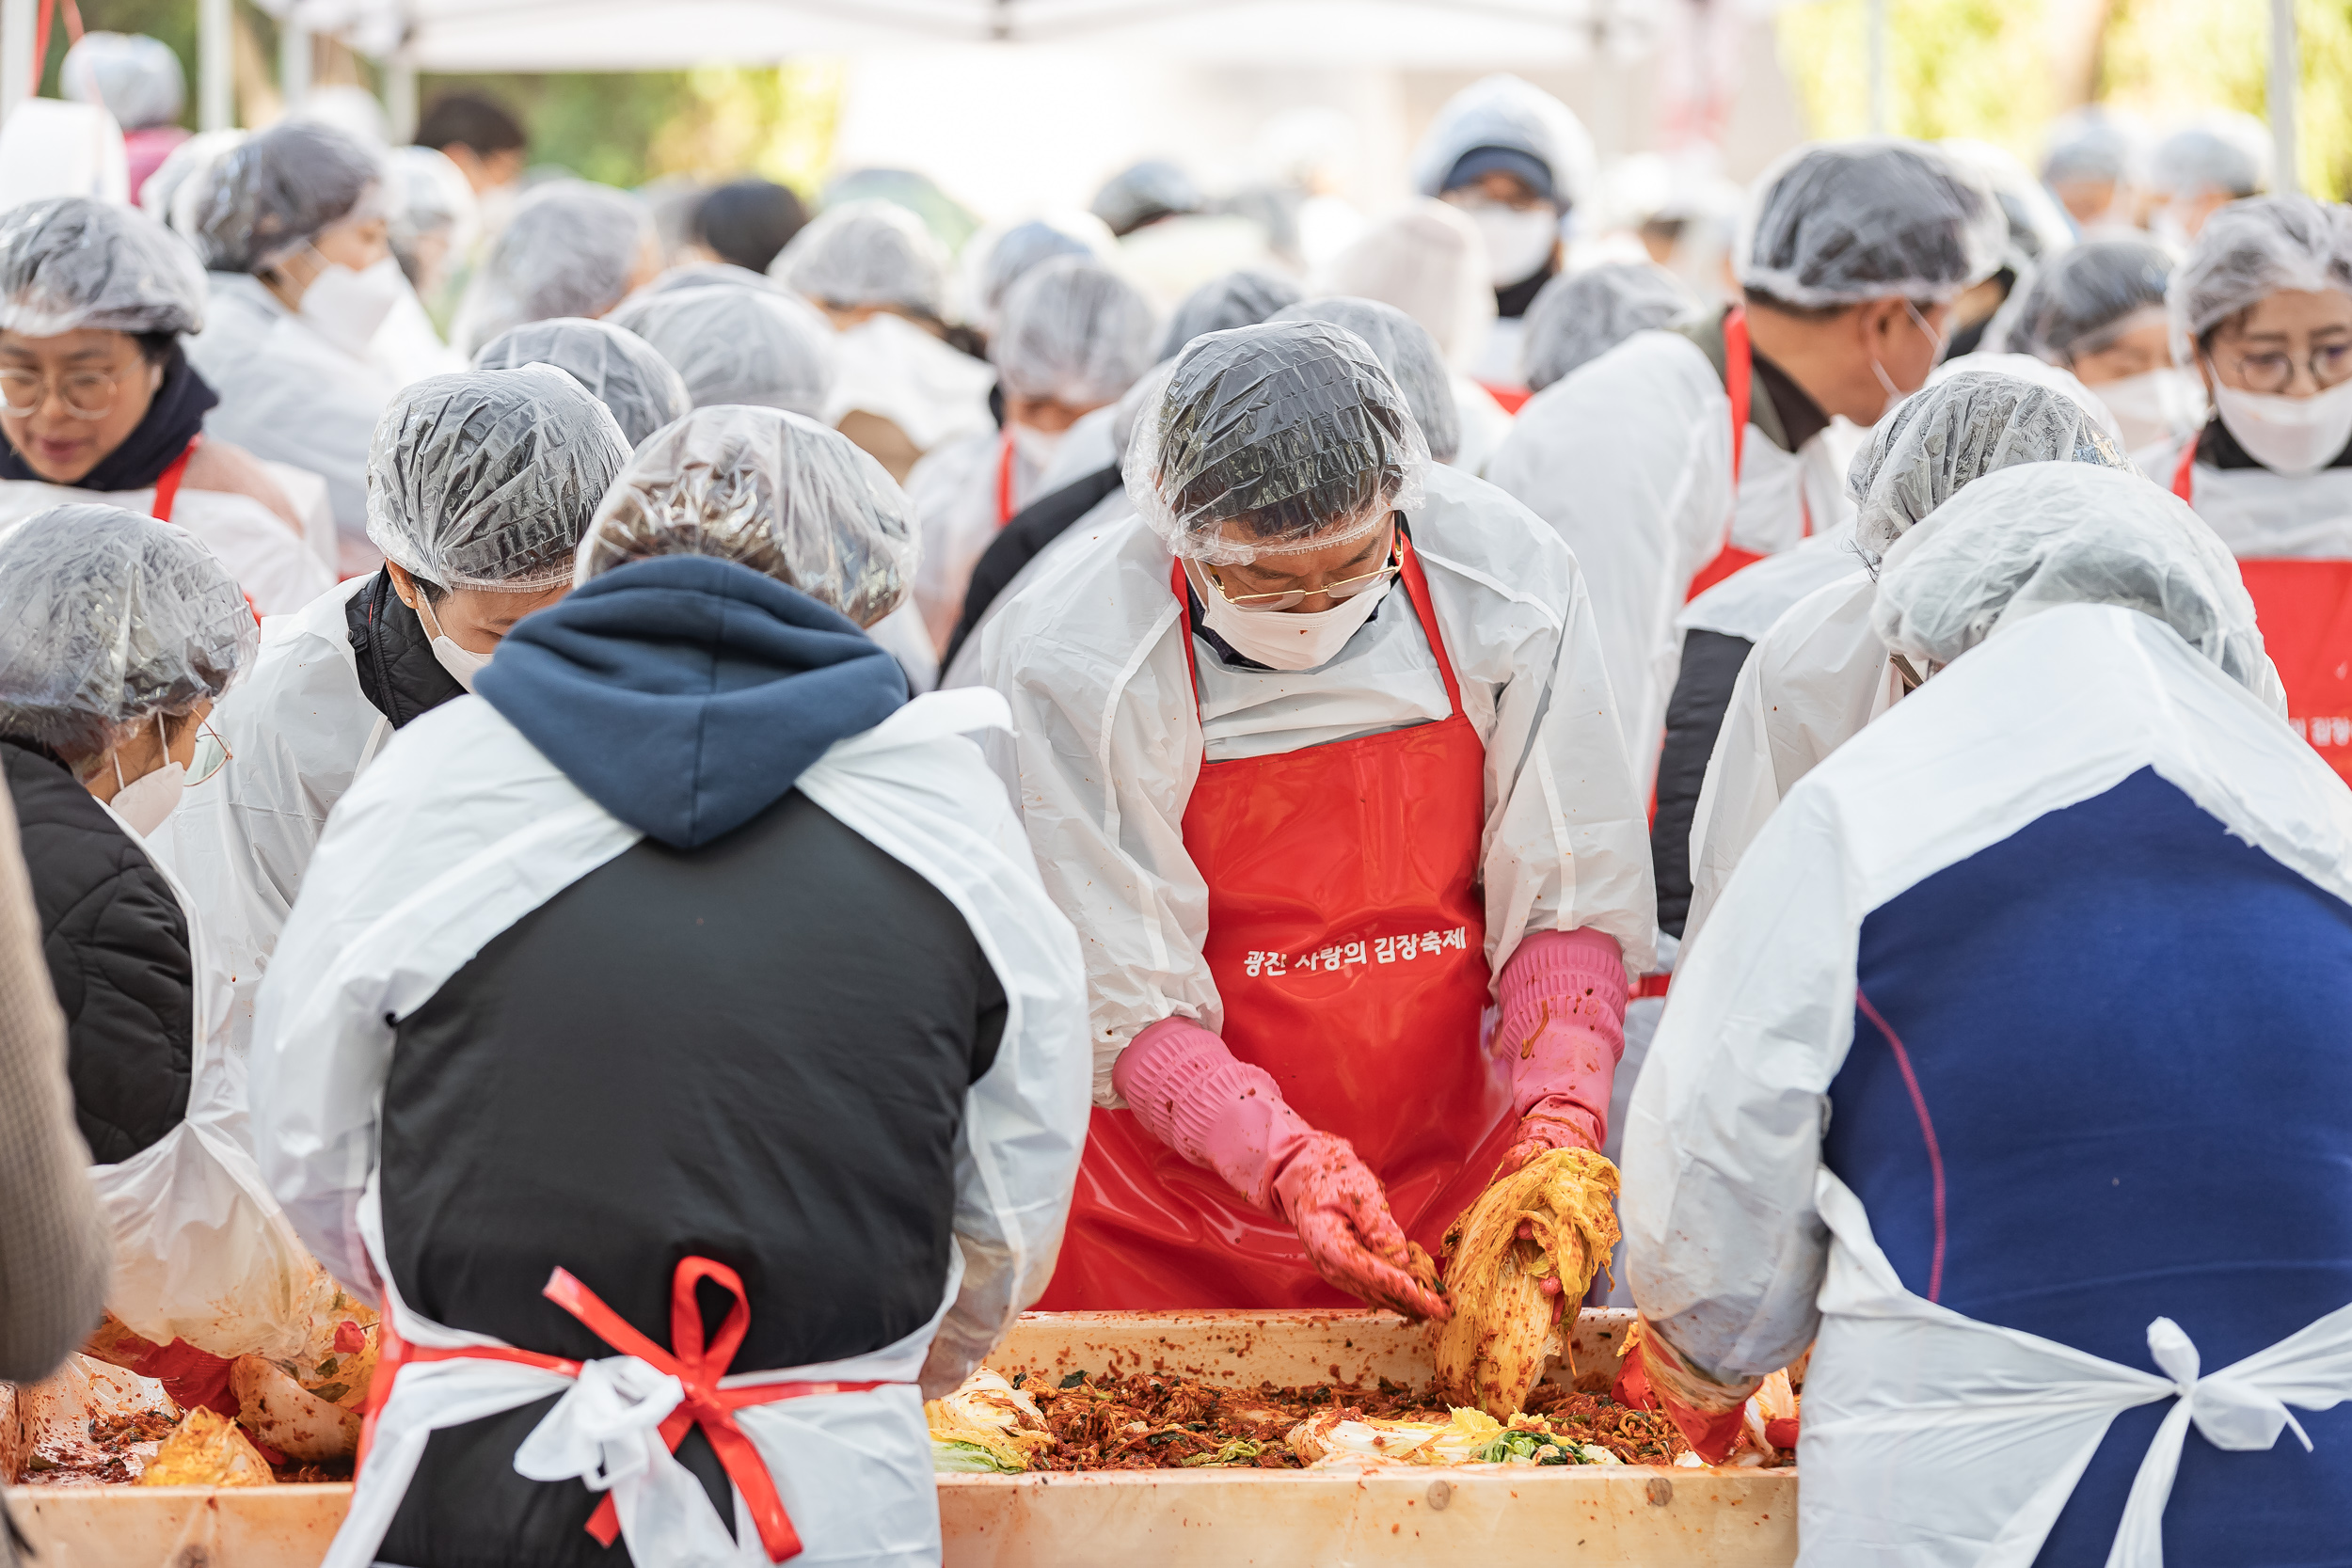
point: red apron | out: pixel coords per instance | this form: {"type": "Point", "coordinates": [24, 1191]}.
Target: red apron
{"type": "Point", "coordinates": [2304, 609]}
{"type": "Point", "coordinates": [1347, 936]}
{"type": "Point", "coordinates": [1739, 381]}
{"type": "Point", "coordinates": [168, 484]}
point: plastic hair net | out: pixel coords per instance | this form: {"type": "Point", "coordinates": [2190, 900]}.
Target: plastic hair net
{"type": "Point", "coordinates": [1581, 316]}
{"type": "Point", "coordinates": [2228, 153]}
{"type": "Point", "coordinates": [1023, 246]}
{"type": "Point", "coordinates": [2038, 226]}
{"type": "Point", "coordinates": [866, 253]}
{"type": "Point", "coordinates": [569, 250]}
{"type": "Point", "coordinates": [2090, 144]}
{"type": "Point", "coordinates": [730, 344]}
{"type": "Point", "coordinates": [620, 370]}
{"type": "Point", "coordinates": [1509, 113]}
{"type": "Point", "coordinates": [2250, 250]}
{"type": "Point", "coordinates": [1406, 349]}
{"type": "Point", "coordinates": [1153, 189]}
{"type": "Point", "coordinates": [1429, 262]}
{"type": "Point", "coordinates": [2037, 536]}
{"type": "Point", "coordinates": [1272, 440]}
{"type": "Point", "coordinates": [175, 194]}
{"type": "Point", "coordinates": [133, 77]}
{"type": "Point", "coordinates": [484, 478]}
{"type": "Point", "coordinates": [773, 491]}
{"type": "Point", "coordinates": [2079, 302]}
{"type": "Point", "coordinates": [1075, 331]}
{"type": "Point", "coordinates": [433, 197]}
{"type": "Point", "coordinates": [70, 262]}
{"type": "Point", "coordinates": [1835, 223]}
{"type": "Point", "coordinates": [106, 618]}
{"type": "Point", "coordinates": [273, 193]}
{"type": "Point", "coordinates": [708, 275]}
{"type": "Point", "coordinates": [1949, 435]}
{"type": "Point", "coordinates": [1242, 298]}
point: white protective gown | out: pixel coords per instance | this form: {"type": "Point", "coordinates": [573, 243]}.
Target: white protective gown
{"type": "Point", "coordinates": [289, 395]}
{"type": "Point", "coordinates": [1106, 745]}
{"type": "Point", "coordinates": [1484, 425]}
{"type": "Point", "coordinates": [1629, 458]}
{"type": "Point", "coordinates": [2260, 515]}
{"type": "Point", "coordinates": [1112, 511]}
{"type": "Point", "coordinates": [1741, 1242]}
{"type": "Point", "coordinates": [459, 829]}
{"type": "Point", "coordinates": [960, 503]}
{"type": "Point", "coordinates": [887, 366]}
{"type": "Point", "coordinates": [272, 563]}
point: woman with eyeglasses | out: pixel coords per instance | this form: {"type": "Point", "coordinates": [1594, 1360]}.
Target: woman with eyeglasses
{"type": "Point", "coordinates": [117, 634]}
{"type": "Point", "coordinates": [98, 401]}
{"type": "Point", "coordinates": [2264, 302]}
{"type": "Point", "coordinates": [1319, 755]}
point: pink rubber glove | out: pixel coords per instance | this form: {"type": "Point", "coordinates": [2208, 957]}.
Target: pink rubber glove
{"type": "Point", "coordinates": [1190, 1093]}
{"type": "Point", "coordinates": [1562, 1029]}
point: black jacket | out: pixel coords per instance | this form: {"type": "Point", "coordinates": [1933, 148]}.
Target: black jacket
{"type": "Point", "coordinates": [398, 672]}
{"type": "Point", "coordinates": [118, 956]}
{"type": "Point", "coordinates": [1020, 542]}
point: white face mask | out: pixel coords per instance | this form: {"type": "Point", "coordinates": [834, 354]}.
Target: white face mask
{"type": "Point", "coordinates": [1036, 447]}
{"type": "Point", "coordinates": [463, 664]}
{"type": "Point", "coordinates": [345, 307]}
{"type": "Point", "coordinates": [148, 799]}
{"type": "Point", "coordinates": [2295, 436]}
{"type": "Point", "coordinates": [1894, 393]}
{"type": "Point", "coordinates": [2154, 405]}
{"type": "Point", "coordinates": [1519, 242]}
{"type": "Point", "coordinates": [1285, 639]}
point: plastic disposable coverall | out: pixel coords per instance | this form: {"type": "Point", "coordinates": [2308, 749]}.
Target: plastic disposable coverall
{"type": "Point", "coordinates": [1930, 1436]}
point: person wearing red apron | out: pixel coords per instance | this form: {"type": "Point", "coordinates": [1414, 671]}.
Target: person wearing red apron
{"type": "Point", "coordinates": [1318, 755]}
{"type": "Point", "coordinates": [2265, 301]}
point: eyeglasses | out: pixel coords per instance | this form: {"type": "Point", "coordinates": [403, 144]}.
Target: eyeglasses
{"type": "Point", "coordinates": [211, 754]}
{"type": "Point", "coordinates": [2329, 363]}
{"type": "Point", "coordinates": [1347, 588]}
{"type": "Point", "coordinates": [86, 394]}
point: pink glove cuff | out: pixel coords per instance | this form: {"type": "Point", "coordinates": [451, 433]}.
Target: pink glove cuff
{"type": "Point", "coordinates": [1190, 1093]}
{"type": "Point", "coordinates": [1562, 1028]}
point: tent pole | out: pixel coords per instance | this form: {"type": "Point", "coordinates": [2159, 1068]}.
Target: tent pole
{"type": "Point", "coordinates": [400, 96]}
{"type": "Point", "coordinates": [215, 99]}
{"type": "Point", "coordinates": [17, 65]}
{"type": "Point", "coordinates": [1878, 68]}
{"type": "Point", "coordinates": [2285, 71]}
{"type": "Point", "coordinates": [293, 63]}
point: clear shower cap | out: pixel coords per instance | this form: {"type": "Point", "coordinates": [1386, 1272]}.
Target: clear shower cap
{"type": "Point", "coordinates": [1292, 433]}
{"type": "Point", "coordinates": [1241, 298]}
{"type": "Point", "coordinates": [1154, 188]}
{"type": "Point", "coordinates": [569, 250]}
{"type": "Point", "coordinates": [2250, 250]}
{"type": "Point", "coordinates": [997, 266]}
{"type": "Point", "coordinates": [868, 252]}
{"type": "Point", "coordinates": [70, 262]}
{"type": "Point", "coordinates": [1953, 433]}
{"type": "Point", "coordinates": [175, 195]}
{"type": "Point", "coordinates": [434, 199]}
{"type": "Point", "coordinates": [1837, 223]}
{"type": "Point", "coordinates": [707, 274]}
{"type": "Point", "coordinates": [133, 77]}
{"type": "Point", "coordinates": [1407, 352]}
{"type": "Point", "coordinates": [2038, 226]}
{"type": "Point", "coordinates": [620, 370]}
{"type": "Point", "coordinates": [1581, 316]}
{"type": "Point", "coordinates": [765, 489]}
{"type": "Point", "coordinates": [2090, 144]}
{"type": "Point", "coordinates": [754, 346]}
{"type": "Point", "coordinates": [1515, 116]}
{"type": "Point", "coordinates": [2081, 301]}
{"type": "Point", "coordinates": [107, 618]}
{"type": "Point", "coordinates": [2228, 153]}
{"type": "Point", "coordinates": [484, 478]}
{"type": "Point", "coordinates": [1075, 331]}
{"type": "Point", "coordinates": [279, 189]}
{"type": "Point", "coordinates": [1429, 261]}
{"type": "Point", "coordinates": [2041, 535]}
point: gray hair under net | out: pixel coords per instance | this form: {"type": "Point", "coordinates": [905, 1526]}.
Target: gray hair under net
{"type": "Point", "coordinates": [620, 370]}
{"type": "Point", "coordinates": [2077, 302]}
{"type": "Point", "coordinates": [871, 252]}
{"type": "Point", "coordinates": [1837, 223]}
{"type": "Point", "coordinates": [277, 190]}
{"type": "Point", "coordinates": [70, 262]}
{"type": "Point", "coordinates": [1954, 433]}
{"type": "Point", "coordinates": [135, 78]}
{"type": "Point", "coordinates": [769, 490]}
{"type": "Point", "coordinates": [1408, 353]}
{"type": "Point", "coordinates": [484, 478]}
{"type": "Point", "coordinates": [2043, 536]}
{"type": "Point", "coordinates": [2250, 250]}
{"type": "Point", "coordinates": [1578, 317]}
{"type": "Point", "coordinates": [1242, 298]}
{"type": "Point", "coordinates": [108, 618]}
{"type": "Point", "coordinates": [1294, 431]}
{"type": "Point", "coordinates": [1075, 331]}
{"type": "Point", "coordinates": [569, 250]}
{"type": "Point", "coordinates": [753, 346]}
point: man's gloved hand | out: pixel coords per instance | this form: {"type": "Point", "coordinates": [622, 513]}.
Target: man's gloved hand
{"type": "Point", "coordinates": [1344, 1221]}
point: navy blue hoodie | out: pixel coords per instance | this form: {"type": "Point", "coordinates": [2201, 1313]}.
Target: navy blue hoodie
{"type": "Point", "coordinates": [685, 694]}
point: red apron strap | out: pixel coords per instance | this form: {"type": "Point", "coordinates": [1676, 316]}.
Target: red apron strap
{"type": "Point", "coordinates": [2184, 478]}
{"type": "Point", "coordinates": [1739, 381]}
{"type": "Point", "coordinates": [1004, 478]}
{"type": "Point", "coordinates": [167, 487]}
